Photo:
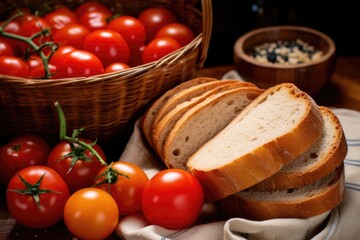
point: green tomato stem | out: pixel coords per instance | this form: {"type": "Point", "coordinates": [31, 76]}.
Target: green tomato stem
{"type": "Point", "coordinates": [29, 40]}
{"type": "Point", "coordinates": [74, 139]}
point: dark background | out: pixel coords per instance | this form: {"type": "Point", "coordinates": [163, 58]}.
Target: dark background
{"type": "Point", "coordinates": [231, 18]}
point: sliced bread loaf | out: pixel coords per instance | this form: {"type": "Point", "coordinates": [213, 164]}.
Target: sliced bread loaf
{"type": "Point", "coordinates": [186, 95]}
{"type": "Point", "coordinates": [321, 159]}
{"type": "Point", "coordinates": [167, 123]}
{"type": "Point", "coordinates": [149, 115]}
{"type": "Point", "coordinates": [203, 121]}
{"type": "Point", "coordinates": [307, 201]}
{"type": "Point", "coordinates": [274, 129]}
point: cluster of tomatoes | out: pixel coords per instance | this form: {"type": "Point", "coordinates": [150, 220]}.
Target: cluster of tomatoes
{"type": "Point", "coordinates": [71, 183]}
{"type": "Point", "coordinates": [88, 40]}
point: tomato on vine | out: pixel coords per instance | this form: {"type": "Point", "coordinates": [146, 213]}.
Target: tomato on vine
{"type": "Point", "coordinates": [5, 48]}
{"type": "Point", "coordinates": [38, 72]}
{"type": "Point", "coordinates": [77, 165]}
{"type": "Point", "coordinates": [36, 197]}
{"type": "Point", "coordinates": [37, 25]}
{"type": "Point", "coordinates": [77, 160]}
{"type": "Point", "coordinates": [125, 181]}
{"type": "Point", "coordinates": [59, 54]}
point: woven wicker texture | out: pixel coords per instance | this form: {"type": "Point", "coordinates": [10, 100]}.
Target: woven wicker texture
{"type": "Point", "coordinates": [107, 103]}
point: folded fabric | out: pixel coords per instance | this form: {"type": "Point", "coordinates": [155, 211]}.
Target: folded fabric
{"type": "Point", "coordinates": [340, 223]}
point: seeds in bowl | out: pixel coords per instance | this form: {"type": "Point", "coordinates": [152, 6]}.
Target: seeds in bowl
{"type": "Point", "coordinates": [286, 52]}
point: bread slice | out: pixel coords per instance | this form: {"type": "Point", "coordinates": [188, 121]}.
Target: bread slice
{"type": "Point", "coordinates": [149, 115]}
{"type": "Point", "coordinates": [186, 95]}
{"type": "Point", "coordinates": [167, 123]}
{"type": "Point", "coordinates": [307, 201]}
{"type": "Point", "coordinates": [201, 123]}
{"type": "Point", "coordinates": [320, 160]}
{"type": "Point", "coordinates": [277, 127]}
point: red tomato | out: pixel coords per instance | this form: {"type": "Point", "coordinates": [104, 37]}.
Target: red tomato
{"type": "Point", "coordinates": [5, 48]}
{"type": "Point", "coordinates": [173, 199]}
{"type": "Point", "coordinates": [131, 29]}
{"type": "Point", "coordinates": [155, 18]}
{"type": "Point", "coordinates": [72, 34]}
{"type": "Point", "coordinates": [94, 20]}
{"type": "Point", "coordinates": [79, 63]}
{"type": "Point", "coordinates": [158, 48]}
{"type": "Point", "coordinates": [136, 56]}
{"type": "Point", "coordinates": [34, 61]}
{"type": "Point", "coordinates": [117, 66]}
{"type": "Point", "coordinates": [109, 46]}
{"type": "Point", "coordinates": [39, 71]}
{"type": "Point", "coordinates": [21, 152]}
{"type": "Point", "coordinates": [29, 28]}
{"type": "Point", "coordinates": [14, 27]}
{"type": "Point", "coordinates": [59, 53]}
{"type": "Point", "coordinates": [59, 18]}
{"type": "Point", "coordinates": [91, 7]}
{"type": "Point", "coordinates": [13, 66]}
{"type": "Point", "coordinates": [48, 186]}
{"type": "Point", "coordinates": [78, 167]}
{"type": "Point", "coordinates": [180, 32]}
{"type": "Point", "coordinates": [91, 213]}
{"type": "Point", "coordinates": [126, 191]}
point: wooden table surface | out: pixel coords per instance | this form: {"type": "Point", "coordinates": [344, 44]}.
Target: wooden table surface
{"type": "Point", "coordinates": [343, 91]}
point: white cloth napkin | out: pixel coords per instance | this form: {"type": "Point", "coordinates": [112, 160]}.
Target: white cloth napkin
{"type": "Point", "coordinates": [340, 223]}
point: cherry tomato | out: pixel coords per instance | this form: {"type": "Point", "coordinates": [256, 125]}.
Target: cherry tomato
{"type": "Point", "coordinates": [44, 183]}
{"type": "Point", "coordinates": [125, 181]}
{"type": "Point", "coordinates": [109, 46]}
{"type": "Point", "coordinates": [72, 34]}
{"type": "Point", "coordinates": [91, 7]}
{"type": "Point", "coordinates": [131, 29]}
{"type": "Point", "coordinates": [5, 48]}
{"type": "Point", "coordinates": [13, 66]}
{"type": "Point", "coordinates": [34, 61]}
{"type": "Point", "coordinates": [136, 56]}
{"type": "Point", "coordinates": [155, 18]}
{"type": "Point", "coordinates": [79, 63]}
{"type": "Point", "coordinates": [114, 67]}
{"type": "Point", "coordinates": [180, 32]}
{"type": "Point", "coordinates": [29, 28]}
{"type": "Point", "coordinates": [59, 18]}
{"type": "Point", "coordinates": [91, 213]}
{"type": "Point", "coordinates": [158, 48]}
{"type": "Point", "coordinates": [94, 20]}
{"type": "Point", "coordinates": [21, 152]}
{"type": "Point", "coordinates": [173, 199]}
{"type": "Point", "coordinates": [39, 71]}
{"type": "Point", "coordinates": [59, 53]}
{"type": "Point", "coordinates": [78, 167]}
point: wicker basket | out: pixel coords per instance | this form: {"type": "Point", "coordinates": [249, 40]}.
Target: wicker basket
{"type": "Point", "coordinates": [107, 103]}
